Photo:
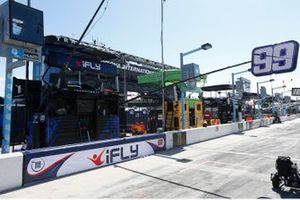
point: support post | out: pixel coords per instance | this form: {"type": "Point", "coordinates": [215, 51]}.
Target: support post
{"type": "Point", "coordinates": [124, 83]}
{"type": "Point", "coordinates": [273, 109]}
{"type": "Point", "coordinates": [175, 93]}
{"type": "Point", "coordinates": [117, 83]}
{"type": "Point", "coordinates": [7, 108]}
{"type": "Point", "coordinates": [233, 100]}
{"type": "Point", "coordinates": [182, 94]}
{"type": "Point", "coordinates": [163, 66]}
{"type": "Point", "coordinates": [79, 79]}
{"type": "Point", "coordinates": [258, 101]}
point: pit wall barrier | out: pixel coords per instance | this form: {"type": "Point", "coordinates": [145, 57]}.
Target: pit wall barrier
{"type": "Point", "coordinates": [18, 169]}
{"type": "Point", "coordinates": [48, 163]}
{"type": "Point", "coordinates": [202, 134]}
{"type": "Point", "coordinates": [11, 168]}
{"type": "Point", "coordinates": [289, 117]}
{"type": "Point", "coordinates": [191, 136]}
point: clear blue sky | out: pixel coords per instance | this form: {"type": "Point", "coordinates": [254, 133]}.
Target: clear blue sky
{"type": "Point", "coordinates": [233, 27]}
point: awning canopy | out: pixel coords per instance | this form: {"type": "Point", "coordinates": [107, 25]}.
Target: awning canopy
{"type": "Point", "coordinates": [171, 76]}
{"type": "Point", "coordinates": [62, 44]}
{"type": "Point", "coordinates": [217, 87]}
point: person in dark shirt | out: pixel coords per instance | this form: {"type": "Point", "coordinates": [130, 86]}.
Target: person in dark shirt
{"type": "Point", "coordinates": [152, 124]}
{"type": "Point", "coordinates": [276, 118]}
{"type": "Point", "coordinates": [207, 117]}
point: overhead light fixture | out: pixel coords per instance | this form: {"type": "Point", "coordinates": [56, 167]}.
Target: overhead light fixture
{"type": "Point", "coordinates": [206, 46]}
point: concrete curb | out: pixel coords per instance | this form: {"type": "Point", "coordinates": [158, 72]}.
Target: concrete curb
{"type": "Point", "coordinates": [11, 167]}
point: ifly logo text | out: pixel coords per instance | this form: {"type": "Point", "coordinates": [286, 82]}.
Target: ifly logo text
{"type": "Point", "coordinates": [88, 65]}
{"type": "Point", "coordinates": [116, 154]}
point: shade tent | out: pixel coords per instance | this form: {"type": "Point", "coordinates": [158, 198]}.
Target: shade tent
{"type": "Point", "coordinates": [217, 87]}
{"type": "Point", "coordinates": [170, 76]}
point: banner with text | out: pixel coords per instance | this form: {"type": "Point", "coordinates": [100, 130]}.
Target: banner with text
{"type": "Point", "coordinates": [44, 164]}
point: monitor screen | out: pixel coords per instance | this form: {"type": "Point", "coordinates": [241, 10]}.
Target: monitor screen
{"type": "Point", "coordinates": [26, 23]}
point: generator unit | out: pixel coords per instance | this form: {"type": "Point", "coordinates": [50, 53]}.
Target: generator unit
{"type": "Point", "coordinates": [137, 120]}
{"type": "Point", "coordinates": [193, 114]}
{"type": "Point", "coordinates": [198, 110]}
{"type": "Point", "coordinates": [178, 113]}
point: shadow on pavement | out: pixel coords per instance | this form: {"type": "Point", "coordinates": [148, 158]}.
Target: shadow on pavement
{"type": "Point", "coordinates": [182, 160]}
{"type": "Point", "coordinates": [172, 182]}
{"type": "Point", "coordinates": [173, 151]}
{"type": "Point", "coordinates": [239, 133]}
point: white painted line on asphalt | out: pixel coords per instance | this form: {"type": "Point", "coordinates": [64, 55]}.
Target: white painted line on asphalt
{"type": "Point", "coordinates": [192, 166]}
{"type": "Point", "coordinates": [238, 153]}
{"type": "Point", "coordinates": [227, 171]}
{"type": "Point", "coordinates": [277, 138]}
{"type": "Point", "coordinates": [230, 164]}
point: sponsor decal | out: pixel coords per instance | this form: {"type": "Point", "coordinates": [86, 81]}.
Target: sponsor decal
{"type": "Point", "coordinates": [17, 53]}
{"type": "Point", "coordinates": [17, 26]}
{"type": "Point", "coordinates": [119, 153]}
{"type": "Point", "coordinates": [37, 166]}
{"type": "Point", "coordinates": [66, 40]}
{"type": "Point", "coordinates": [115, 154]}
{"type": "Point", "coordinates": [96, 159]}
{"type": "Point", "coordinates": [137, 69]}
{"type": "Point", "coordinates": [60, 164]}
{"type": "Point", "coordinates": [80, 64]}
{"type": "Point", "coordinates": [157, 144]}
{"type": "Point", "coordinates": [88, 65]}
{"type": "Point", "coordinates": [31, 56]}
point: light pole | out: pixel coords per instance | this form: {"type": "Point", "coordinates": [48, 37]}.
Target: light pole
{"type": "Point", "coordinates": [233, 93]}
{"type": "Point", "coordinates": [273, 96]}
{"type": "Point", "coordinates": [284, 104]}
{"type": "Point", "coordinates": [205, 46]}
{"type": "Point", "coordinates": [258, 94]}
{"type": "Point", "coordinates": [163, 65]}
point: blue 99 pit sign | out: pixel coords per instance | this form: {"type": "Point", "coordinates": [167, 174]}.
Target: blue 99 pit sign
{"type": "Point", "coordinates": [275, 59]}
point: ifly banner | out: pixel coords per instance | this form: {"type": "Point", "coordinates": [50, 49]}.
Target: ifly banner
{"type": "Point", "coordinates": [52, 163]}
{"type": "Point", "coordinates": [275, 59]}
{"type": "Point", "coordinates": [81, 64]}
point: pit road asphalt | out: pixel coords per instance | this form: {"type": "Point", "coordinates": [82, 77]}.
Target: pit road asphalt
{"type": "Point", "coordinates": [235, 166]}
